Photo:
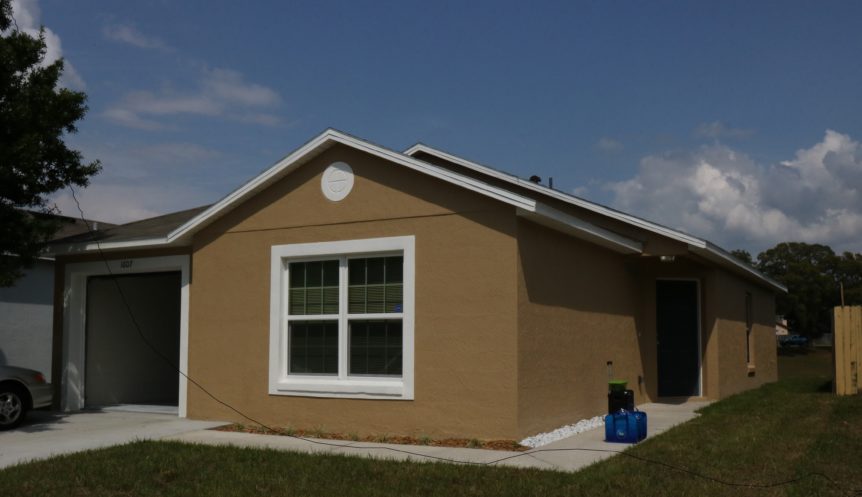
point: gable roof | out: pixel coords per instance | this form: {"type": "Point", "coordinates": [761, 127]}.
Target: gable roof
{"type": "Point", "coordinates": [528, 207]}
{"type": "Point", "coordinates": [699, 246]}
{"type": "Point", "coordinates": [177, 229]}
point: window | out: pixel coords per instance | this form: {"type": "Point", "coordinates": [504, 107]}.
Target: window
{"type": "Point", "coordinates": [341, 322]}
{"type": "Point", "coordinates": [749, 325]}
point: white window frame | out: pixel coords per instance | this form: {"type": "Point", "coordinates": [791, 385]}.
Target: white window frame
{"type": "Point", "coordinates": [342, 385]}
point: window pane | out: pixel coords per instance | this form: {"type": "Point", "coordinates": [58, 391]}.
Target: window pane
{"type": "Point", "coordinates": [376, 270]}
{"type": "Point", "coordinates": [395, 269]}
{"type": "Point", "coordinates": [330, 273]}
{"type": "Point", "coordinates": [297, 274]}
{"type": "Point", "coordinates": [313, 347]}
{"type": "Point", "coordinates": [356, 271]}
{"type": "Point", "coordinates": [313, 288]}
{"type": "Point", "coordinates": [376, 285]}
{"type": "Point", "coordinates": [313, 274]}
{"type": "Point", "coordinates": [375, 348]}
{"type": "Point", "coordinates": [356, 300]}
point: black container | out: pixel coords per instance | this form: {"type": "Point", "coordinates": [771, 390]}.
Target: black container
{"type": "Point", "coordinates": [622, 399]}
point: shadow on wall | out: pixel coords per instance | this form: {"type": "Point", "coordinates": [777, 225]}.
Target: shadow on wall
{"type": "Point", "coordinates": [599, 296]}
{"type": "Point", "coordinates": [585, 303]}
{"type": "Point", "coordinates": [3, 360]}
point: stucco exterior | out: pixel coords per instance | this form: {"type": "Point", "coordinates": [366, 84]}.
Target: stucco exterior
{"type": "Point", "coordinates": [466, 301]}
{"type": "Point", "coordinates": [514, 321]}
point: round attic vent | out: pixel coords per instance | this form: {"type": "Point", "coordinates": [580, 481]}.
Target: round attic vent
{"type": "Point", "coordinates": [337, 181]}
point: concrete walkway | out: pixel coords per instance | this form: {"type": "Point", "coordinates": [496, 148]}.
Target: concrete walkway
{"type": "Point", "coordinates": [555, 456]}
{"type": "Point", "coordinates": [45, 434]}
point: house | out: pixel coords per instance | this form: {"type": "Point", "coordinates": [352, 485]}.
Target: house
{"type": "Point", "coordinates": [26, 308]}
{"type": "Point", "coordinates": [357, 289]}
{"type": "Point", "coordinates": [781, 329]}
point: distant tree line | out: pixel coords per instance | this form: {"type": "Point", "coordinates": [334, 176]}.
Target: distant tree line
{"type": "Point", "coordinates": [813, 275]}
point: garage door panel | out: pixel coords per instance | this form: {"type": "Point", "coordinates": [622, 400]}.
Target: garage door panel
{"type": "Point", "coordinates": [120, 367]}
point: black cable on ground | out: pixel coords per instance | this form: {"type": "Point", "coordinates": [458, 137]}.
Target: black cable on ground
{"type": "Point", "coordinates": [626, 453]}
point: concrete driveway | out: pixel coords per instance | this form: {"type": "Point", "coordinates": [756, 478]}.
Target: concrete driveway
{"type": "Point", "coordinates": [45, 434]}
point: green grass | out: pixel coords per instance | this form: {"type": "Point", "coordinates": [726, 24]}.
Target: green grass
{"type": "Point", "coordinates": [778, 432]}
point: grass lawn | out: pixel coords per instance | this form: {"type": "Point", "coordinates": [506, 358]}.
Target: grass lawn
{"type": "Point", "coordinates": [778, 432]}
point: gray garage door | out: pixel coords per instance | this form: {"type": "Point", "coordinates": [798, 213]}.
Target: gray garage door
{"type": "Point", "coordinates": [120, 367]}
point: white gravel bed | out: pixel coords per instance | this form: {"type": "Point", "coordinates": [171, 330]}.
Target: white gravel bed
{"type": "Point", "coordinates": [563, 432]}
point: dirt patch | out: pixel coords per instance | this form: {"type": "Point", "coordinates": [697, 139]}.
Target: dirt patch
{"type": "Point", "coordinates": [508, 445]}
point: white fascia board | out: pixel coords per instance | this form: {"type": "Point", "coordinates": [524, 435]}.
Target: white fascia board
{"type": "Point", "coordinates": [73, 248]}
{"type": "Point", "coordinates": [716, 254]}
{"type": "Point", "coordinates": [556, 219]}
{"type": "Point", "coordinates": [600, 209]}
{"type": "Point", "coordinates": [324, 140]}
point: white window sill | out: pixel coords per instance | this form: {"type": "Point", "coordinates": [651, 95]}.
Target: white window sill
{"type": "Point", "coordinates": [377, 388]}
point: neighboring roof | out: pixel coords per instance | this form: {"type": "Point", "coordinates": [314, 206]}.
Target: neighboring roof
{"type": "Point", "coordinates": [704, 248]}
{"type": "Point", "coordinates": [68, 226]}
{"type": "Point", "coordinates": [152, 230]}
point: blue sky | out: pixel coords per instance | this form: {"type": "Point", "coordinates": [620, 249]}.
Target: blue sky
{"type": "Point", "coordinates": [736, 121]}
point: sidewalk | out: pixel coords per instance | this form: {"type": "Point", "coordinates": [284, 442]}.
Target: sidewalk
{"type": "Point", "coordinates": [554, 456]}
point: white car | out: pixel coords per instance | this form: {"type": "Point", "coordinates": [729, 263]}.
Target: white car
{"type": "Point", "coordinates": [21, 389]}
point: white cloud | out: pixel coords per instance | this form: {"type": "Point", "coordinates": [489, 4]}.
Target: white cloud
{"type": "Point", "coordinates": [722, 194]}
{"type": "Point", "coordinates": [718, 130]}
{"type": "Point", "coordinates": [606, 144]}
{"type": "Point", "coordinates": [122, 203]}
{"type": "Point", "coordinates": [144, 180]}
{"type": "Point", "coordinates": [130, 35]}
{"type": "Point", "coordinates": [27, 17]}
{"type": "Point", "coordinates": [220, 93]}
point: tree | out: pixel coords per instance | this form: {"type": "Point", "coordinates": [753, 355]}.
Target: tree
{"type": "Point", "coordinates": [743, 255]}
{"type": "Point", "coordinates": [811, 273]}
{"type": "Point", "coordinates": [35, 116]}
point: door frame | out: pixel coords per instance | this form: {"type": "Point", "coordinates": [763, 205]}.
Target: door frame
{"type": "Point", "coordinates": [72, 381]}
{"type": "Point", "coordinates": [699, 332]}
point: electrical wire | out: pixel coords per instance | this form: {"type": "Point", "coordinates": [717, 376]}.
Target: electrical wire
{"type": "Point", "coordinates": [626, 453]}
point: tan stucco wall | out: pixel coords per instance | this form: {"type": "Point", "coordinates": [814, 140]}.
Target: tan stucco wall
{"type": "Point", "coordinates": [466, 301]}
{"type": "Point", "coordinates": [580, 306]}
{"type": "Point", "coordinates": [735, 374]}
{"type": "Point", "coordinates": [577, 309]}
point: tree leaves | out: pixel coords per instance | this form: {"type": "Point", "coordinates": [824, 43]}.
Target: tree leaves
{"type": "Point", "coordinates": [813, 274]}
{"type": "Point", "coordinates": [35, 115]}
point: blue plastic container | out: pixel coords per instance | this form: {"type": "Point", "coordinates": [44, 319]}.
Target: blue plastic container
{"type": "Point", "coordinates": [626, 427]}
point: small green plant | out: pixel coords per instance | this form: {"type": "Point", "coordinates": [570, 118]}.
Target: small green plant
{"type": "Point", "coordinates": [425, 440]}
{"type": "Point", "coordinates": [318, 432]}
{"type": "Point", "coordinates": [353, 436]}
{"type": "Point", "coordinates": [474, 443]}
{"type": "Point", "coordinates": [289, 431]}
{"type": "Point", "coordinates": [382, 438]}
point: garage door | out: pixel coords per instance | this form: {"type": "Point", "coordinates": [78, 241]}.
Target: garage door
{"type": "Point", "coordinates": [120, 368]}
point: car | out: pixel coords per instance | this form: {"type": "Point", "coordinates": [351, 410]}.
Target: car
{"type": "Point", "coordinates": [21, 390]}
{"type": "Point", "coordinates": [793, 341]}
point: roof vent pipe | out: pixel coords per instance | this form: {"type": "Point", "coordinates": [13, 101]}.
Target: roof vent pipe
{"type": "Point", "coordinates": [550, 182]}
{"type": "Point", "coordinates": [536, 179]}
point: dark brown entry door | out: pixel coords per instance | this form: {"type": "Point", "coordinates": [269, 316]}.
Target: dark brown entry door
{"type": "Point", "coordinates": [677, 334]}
